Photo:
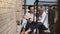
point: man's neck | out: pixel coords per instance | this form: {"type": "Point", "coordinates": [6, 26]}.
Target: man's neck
{"type": "Point", "coordinates": [31, 13]}
{"type": "Point", "coordinates": [41, 13]}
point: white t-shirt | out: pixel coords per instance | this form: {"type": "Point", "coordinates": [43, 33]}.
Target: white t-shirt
{"type": "Point", "coordinates": [30, 15]}
{"type": "Point", "coordinates": [25, 21]}
{"type": "Point", "coordinates": [44, 19]}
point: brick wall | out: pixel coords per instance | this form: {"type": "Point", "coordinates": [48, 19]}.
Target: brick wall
{"type": "Point", "coordinates": [20, 11]}
{"type": "Point", "coordinates": [10, 12]}
{"type": "Point", "coordinates": [8, 17]}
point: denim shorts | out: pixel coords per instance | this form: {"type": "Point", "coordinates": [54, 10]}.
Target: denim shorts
{"type": "Point", "coordinates": [33, 26]}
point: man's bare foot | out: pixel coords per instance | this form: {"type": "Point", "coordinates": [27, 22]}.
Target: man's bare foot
{"type": "Point", "coordinates": [22, 32]}
{"type": "Point", "coordinates": [26, 32]}
{"type": "Point", "coordinates": [47, 31]}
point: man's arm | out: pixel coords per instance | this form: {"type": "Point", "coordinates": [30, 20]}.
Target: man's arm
{"type": "Point", "coordinates": [26, 17]}
{"type": "Point", "coordinates": [43, 17]}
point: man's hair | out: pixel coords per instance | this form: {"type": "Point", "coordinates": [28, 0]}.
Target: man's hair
{"type": "Point", "coordinates": [30, 6]}
{"type": "Point", "coordinates": [40, 8]}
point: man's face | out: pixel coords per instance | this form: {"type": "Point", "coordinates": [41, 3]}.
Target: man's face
{"type": "Point", "coordinates": [41, 10]}
{"type": "Point", "coordinates": [32, 9]}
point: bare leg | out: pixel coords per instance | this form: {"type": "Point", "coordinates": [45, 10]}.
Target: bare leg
{"type": "Point", "coordinates": [37, 31]}
{"type": "Point", "coordinates": [23, 31]}
{"type": "Point", "coordinates": [27, 31]}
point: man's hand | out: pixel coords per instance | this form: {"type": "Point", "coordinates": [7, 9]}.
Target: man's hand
{"type": "Point", "coordinates": [31, 20]}
{"type": "Point", "coordinates": [39, 20]}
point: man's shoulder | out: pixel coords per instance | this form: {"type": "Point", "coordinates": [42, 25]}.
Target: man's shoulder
{"type": "Point", "coordinates": [27, 13]}
{"type": "Point", "coordinates": [44, 14]}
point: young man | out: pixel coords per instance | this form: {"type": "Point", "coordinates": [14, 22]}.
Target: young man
{"type": "Point", "coordinates": [29, 17]}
